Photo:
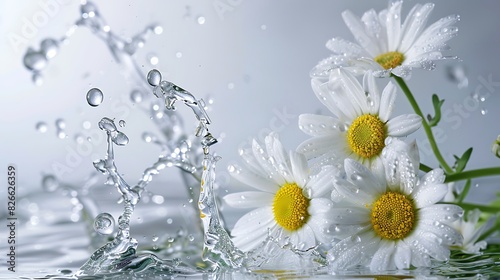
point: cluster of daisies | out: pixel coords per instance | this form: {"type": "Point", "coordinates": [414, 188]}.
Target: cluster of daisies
{"type": "Point", "coordinates": [355, 187]}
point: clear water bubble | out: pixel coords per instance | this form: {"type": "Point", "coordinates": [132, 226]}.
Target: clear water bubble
{"type": "Point", "coordinates": [484, 111]}
{"type": "Point", "coordinates": [34, 61]}
{"type": "Point", "coordinates": [122, 123]}
{"type": "Point", "coordinates": [153, 59]}
{"type": "Point", "coordinates": [155, 238]}
{"type": "Point", "coordinates": [263, 27]}
{"type": "Point", "coordinates": [120, 139]}
{"type": "Point", "coordinates": [201, 20]}
{"type": "Point", "coordinates": [230, 85]}
{"type": "Point", "coordinates": [95, 97]}
{"type": "Point", "coordinates": [50, 183]}
{"type": "Point", "coordinates": [86, 125]}
{"type": "Point", "coordinates": [41, 127]}
{"type": "Point", "coordinates": [136, 96]}
{"type": "Point", "coordinates": [157, 29]}
{"type": "Point", "coordinates": [37, 79]}
{"type": "Point", "coordinates": [104, 224]}
{"type": "Point", "coordinates": [178, 54]}
{"type": "Point", "coordinates": [49, 47]}
{"type": "Point", "coordinates": [60, 124]}
{"type": "Point", "coordinates": [61, 134]}
{"type": "Point", "coordinates": [154, 77]}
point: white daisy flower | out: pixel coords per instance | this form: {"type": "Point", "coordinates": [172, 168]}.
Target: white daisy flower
{"type": "Point", "coordinates": [362, 120]}
{"type": "Point", "coordinates": [471, 232]}
{"type": "Point", "coordinates": [391, 221]}
{"type": "Point", "coordinates": [288, 200]}
{"type": "Point", "coordinates": [386, 46]}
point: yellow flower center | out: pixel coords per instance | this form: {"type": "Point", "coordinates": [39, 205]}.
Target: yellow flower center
{"type": "Point", "coordinates": [290, 207]}
{"type": "Point", "coordinates": [390, 60]}
{"type": "Point", "coordinates": [366, 136]}
{"type": "Point", "coordinates": [393, 216]}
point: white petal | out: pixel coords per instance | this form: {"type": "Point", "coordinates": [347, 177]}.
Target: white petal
{"type": "Point", "coordinates": [403, 125]}
{"type": "Point", "coordinates": [350, 215]}
{"type": "Point", "coordinates": [450, 235]}
{"type": "Point", "coordinates": [378, 171]}
{"type": "Point", "coordinates": [256, 220]}
{"type": "Point", "coordinates": [306, 238]}
{"type": "Point", "coordinates": [414, 25]}
{"type": "Point", "coordinates": [322, 183]}
{"type": "Point", "coordinates": [355, 195]}
{"type": "Point", "coordinates": [322, 92]}
{"type": "Point", "coordinates": [387, 102]}
{"type": "Point", "coordinates": [402, 256]}
{"type": "Point", "coordinates": [249, 199]}
{"type": "Point", "coordinates": [441, 212]}
{"type": "Point", "coordinates": [341, 96]}
{"type": "Point", "coordinates": [317, 146]}
{"type": "Point", "coordinates": [264, 160]}
{"type": "Point", "coordinates": [430, 243]}
{"type": "Point", "coordinates": [344, 47]}
{"type": "Point", "coordinates": [253, 180]}
{"type": "Point", "coordinates": [357, 29]}
{"type": "Point", "coordinates": [363, 178]}
{"type": "Point", "coordinates": [375, 29]}
{"type": "Point", "coordinates": [281, 159]}
{"type": "Point", "coordinates": [429, 194]}
{"type": "Point", "coordinates": [383, 258]}
{"type": "Point", "coordinates": [320, 226]}
{"type": "Point", "coordinates": [317, 125]}
{"type": "Point", "coordinates": [354, 91]}
{"type": "Point", "coordinates": [319, 206]}
{"type": "Point", "coordinates": [371, 88]}
{"type": "Point", "coordinates": [253, 239]}
{"type": "Point", "coordinates": [352, 251]}
{"type": "Point", "coordinates": [393, 25]}
{"type": "Point", "coordinates": [300, 170]}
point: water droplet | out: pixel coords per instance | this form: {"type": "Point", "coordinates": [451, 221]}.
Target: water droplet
{"type": "Point", "coordinates": [178, 54]}
{"type": "Point", "coordinates": [41, 127]}
{"type": "Point", "coordinates": [50, 183]}
{"type": "Point", "coordinates": [61, 134]}
{"type": "Point", "coordinates": [94, 97]}
{"type": "Point", "coordinates": [158, 199]}
{"type": "Point", "coordinates": [484, 111]}
{"type": "Point", "coordinates": [34, 61]}
{"type": "Point", "coordinates": [136, 96]}
{"type": "Point", "coordinates": [37, 79]}
{"type": "Point", "coordinates": [158, 29]}
{"type": "Point", "coordinates": [122, 123]}
{"type": "Point", "coordinates": [230, 86]}
{"type": "Point", "coordinates": [120, 139]}
{"type": "Point", "coordinates": [86, 125]}
{"type": "Point", "coordinates": [170, 221]}
{"type": "Point", "coordinates": [154, 77]}
{"type": "Point", "coordinates": [263, 27]}
{"type": "Point", "coordinates": [155, 238]}
{"type": "Point", "coordinates": [153, 59]}
{"type": "Point", "coordinates": [49, 48]}
{"type": "Point", "coordinates": [191, 237]}
{"type": "Point", "coordinates": [201, 20]}
{"type": "Point", "coordinates": [104, 224]}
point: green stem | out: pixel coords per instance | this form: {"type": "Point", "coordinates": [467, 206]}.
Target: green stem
{"type": "Point", "coordinates": [465, 191]}
{"type": "Point", "coordinates": [475, 173]}
{"type": "Point", "coordinates": [427, 128]}
{"type": "Point", "coordinates": [425, 168]}
{"type": "Point", "coordinates": [482, 208]}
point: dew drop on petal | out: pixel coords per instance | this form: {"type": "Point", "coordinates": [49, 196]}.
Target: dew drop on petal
{"type": "Point", "coordinates": [136, 96]}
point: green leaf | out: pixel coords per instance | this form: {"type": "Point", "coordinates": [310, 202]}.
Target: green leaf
{"type": "Point", "coordinates": [462, 161]}
{"type": "Point", "coordinates": [437, 103]}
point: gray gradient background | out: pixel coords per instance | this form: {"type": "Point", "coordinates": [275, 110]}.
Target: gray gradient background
{"type": "Point", "coordinates": [269, 69]}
